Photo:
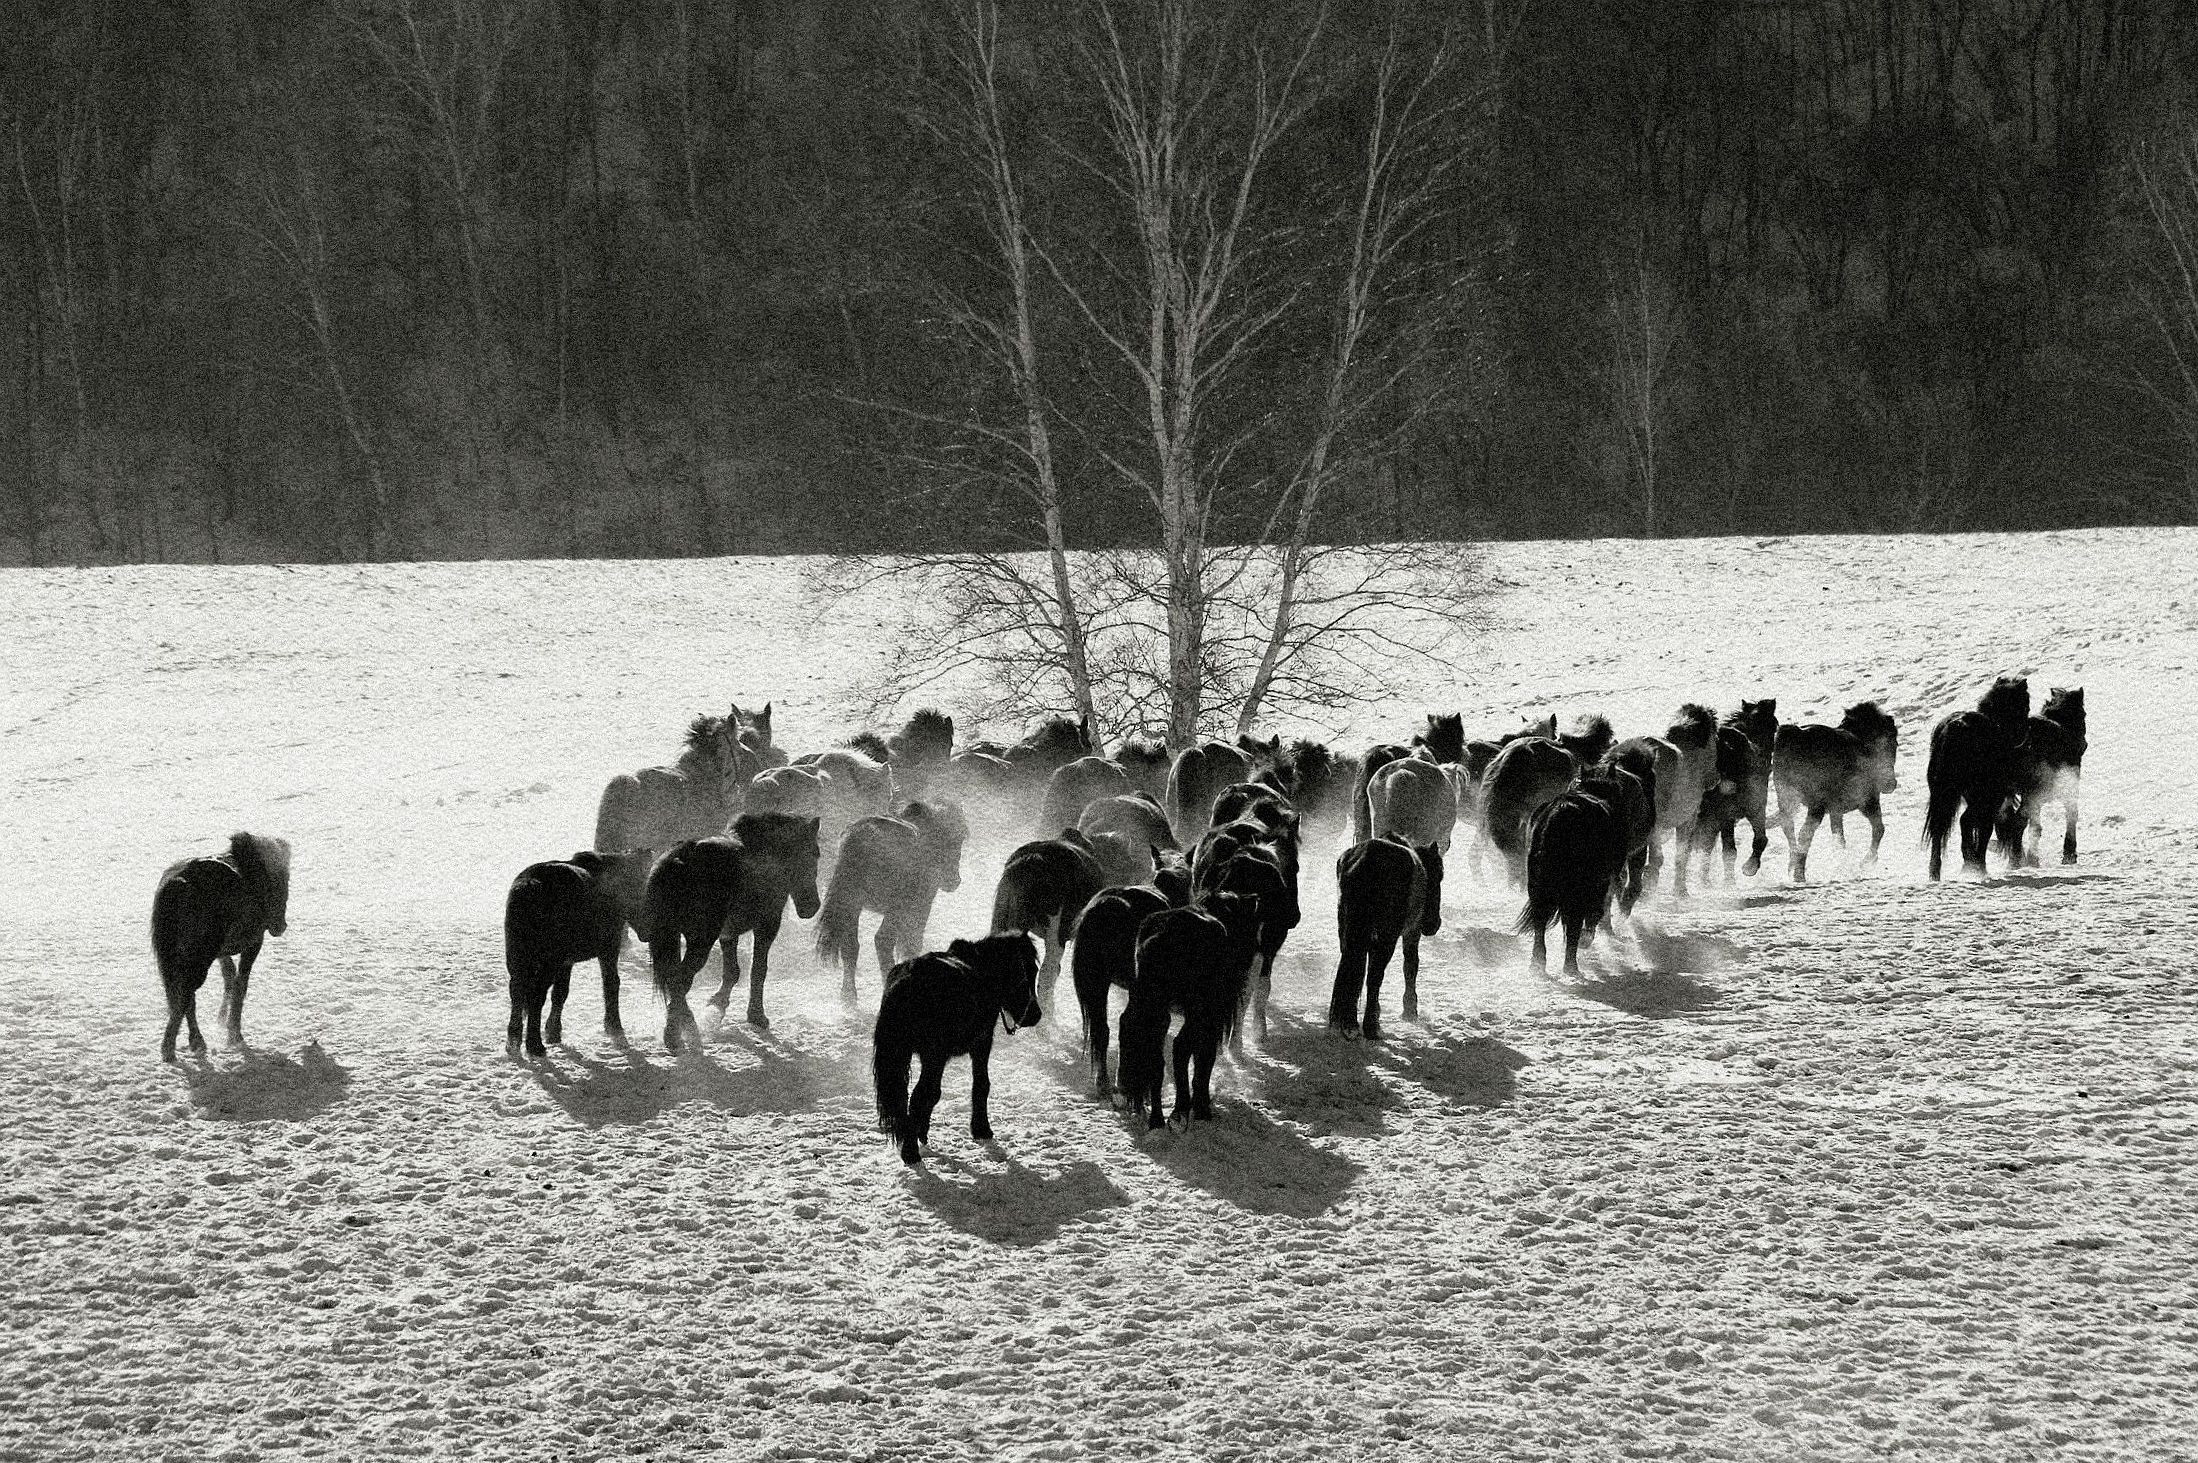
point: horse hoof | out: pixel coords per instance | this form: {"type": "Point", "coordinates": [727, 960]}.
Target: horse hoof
{"type": "Point", "coordinates": [982, 1132]}
{"type": "Point", "coordinates": [758, 1020]}
{"type": "Point", "coordinates": [912, 1155]}
{"type": "Point", "coordinates": [1371, 1031]}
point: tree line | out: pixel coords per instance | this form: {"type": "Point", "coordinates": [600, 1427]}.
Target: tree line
{"type": "Point", "coordinates": [330, 279]}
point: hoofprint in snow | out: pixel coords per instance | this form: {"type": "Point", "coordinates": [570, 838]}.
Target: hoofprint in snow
{"type": "Point", "coordinates": [1872, 1166]}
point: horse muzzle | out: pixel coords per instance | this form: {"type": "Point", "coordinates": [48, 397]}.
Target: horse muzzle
{"type": "Point", "coordinates": [277, 927]}
{"type": "Point", "coordinates": [806, 904]}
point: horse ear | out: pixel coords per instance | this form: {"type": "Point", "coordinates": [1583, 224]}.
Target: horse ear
{"type": "Point", "coordinates": [813, 824]}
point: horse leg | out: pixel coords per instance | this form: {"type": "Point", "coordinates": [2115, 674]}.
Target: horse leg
{"type": "Point", "coordinates": [920, 1103]}
{"type": "Point", "coordinates": [1202, 1059]}
{"type": "Point", "coordinates": [1796, 861]}
{"type": "Point", "coordinates": [1411, 1008]}
{"type": "Point", "coordinates": [730, 944]}
{"type": "Point", "coordinates": [1573, 924]}
{"type": "Point", "coordinates": [1759, 827]}
{"type": "Point", "coordinates": [882, 943]}
{"type": "Point", "coordinates": [1876, 816]}
{"type": "Point", "coordinates": [2068, 838]}
{"type": "Point", "coordinates": [1377, 969]}
{"type": "Point", "coordinates": [182, 997]}
{"type": "Point", "coordinates": [1182, 1064]}
{"type": "Point", "coordinates": [678, 957]}
{"type": "Point", "coordinates": [521, 985]}
{"type": "Point", "coordinates": [1539, 961]}
{"type": "Point", "coordinates": [759, 969]}
{"type": "Point", "coordinates": [1350, 980]}
{"type": "Point", "coordinates": [1809, 825]}
{"type": "Point", "coordinates": [1976, 834]}
{"type": "Point", "coordinates": [553, 1026]}
{"type": "Point", "coordinates": [608, 961]}
{"type": "Point", "coordinates": [980, 1089]}
{"type": "Point", "coordinates": [1049, 970]}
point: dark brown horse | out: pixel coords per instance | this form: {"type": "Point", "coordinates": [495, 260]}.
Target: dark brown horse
{"type": "Point", "coordinates": [1199, 776]}
{"type": "Point", "coordinates": [1822, 771]}
{"type": "Point", "coordinates": [896, 866]}
{"type": "Point", "coordinates": [1974, 771]}
{"type": "Point", "coordinates": [1746, 742]}
{"type": "Point", "coordinates": [220, 908]}
{"type": "Point", "coordinates": [940, 1006]}
{"type": "Point", "coordinates": [1387, 891]}
{"type": "Point", "coordinates": [713, 890]}
{"type": "Point", "coordinates": [559, 912]}
{"type": "Point", "coordinates": [2049, 768]}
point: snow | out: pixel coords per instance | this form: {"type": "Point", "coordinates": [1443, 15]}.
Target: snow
{"type": "Point", "coordinates": [1830, 1172]}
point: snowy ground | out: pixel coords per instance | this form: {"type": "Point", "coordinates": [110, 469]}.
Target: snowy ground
{"type": "Point", "coordinates": [1871, 1167]}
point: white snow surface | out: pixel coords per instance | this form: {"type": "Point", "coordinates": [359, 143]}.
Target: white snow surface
{"type": "Point", "coordinates": [1869, 1167]}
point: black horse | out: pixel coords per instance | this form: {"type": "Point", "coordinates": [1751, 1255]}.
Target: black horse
{"type": "Point", "coordinates": [694, 798]}
{"type": "Point", "coordinates": [1321, 781]}
{"type": "Point", "coordinates": [1043, 887]}
{"type": "Point", "coordinates": [1386, 891]}
{"type": "Point", "coordinates": [940, 1006]}
{"type": "Point", "coordinates": [1200, 775]}
{"type": "Point", "coordinates": [1106, 949]}
{"type": "Point", "coordinates": [1823, 771]}
{"type": "Point", "coordinates": [1575, 863]}
{"type": "Point", "coordinates": [714, 890]}
{"type": "Point", "coordinates": [896, 866]}
{"type": "Point", "coordinates": [1523, 779]}
{"type": "Point", "coordinates": [1266, 870]}
{"type": "Point", "coordinates": [220, 908]}
{"type": "Point", "coordinates": [1974, 770]}
{"type": "Point", "coordinates": [1194, 961]}
{"type": "Point", "coordinates": [1743, 751]}
{"type": "Point", "coordinates": [2049, 768]}
{"type": "Point", "coordinates": [559, 912]}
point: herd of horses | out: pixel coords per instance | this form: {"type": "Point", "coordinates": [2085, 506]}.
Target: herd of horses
{"type": "Point", "coordinates": [1172, 878]}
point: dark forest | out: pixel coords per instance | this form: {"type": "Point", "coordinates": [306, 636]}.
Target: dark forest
{"type": "Point", "coordinates": [346, 279]}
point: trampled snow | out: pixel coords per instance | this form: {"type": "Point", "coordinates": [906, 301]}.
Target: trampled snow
{"type": "Point", "coordinates": [1871, 1166]}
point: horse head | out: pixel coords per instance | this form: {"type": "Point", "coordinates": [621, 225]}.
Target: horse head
{"type": "Point", "coordinates": [1867, 722]}
{"type": "Point", "coordinates": [941, 830]}
{"type": "Point", "coordinates": [1430, 857]}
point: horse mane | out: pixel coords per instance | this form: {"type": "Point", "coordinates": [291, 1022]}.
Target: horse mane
{"type": "Point", "coordinates": [705, 736]}
{"type": "Point", "coordinates": [1142, 750]}
{"type": "Point", "coordinates": [2008, 702]}
{"type": "Point", "coordinates": [1444, 736]}
{"type": "Point", "coordinates": [940, 815]}
{"type": "Point", "coordinates": [1696, 726]}
{"type": "Point", "coordinates": [2064, 707]}
{"type": "Point", "coordinates": [928, 736]}
{"type": "Point", "coordinates": [1866, 719]}
{"type": "Point", "coordinates": [870, 744]}
{"type": "Point", "coordinates": [264, 865]}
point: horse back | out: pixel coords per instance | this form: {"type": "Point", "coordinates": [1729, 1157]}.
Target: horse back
{"type": "Point", "coordinates": [203, 904]}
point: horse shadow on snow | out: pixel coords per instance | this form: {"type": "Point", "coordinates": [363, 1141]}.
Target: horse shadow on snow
{"type": "Point", "coordinates": [1015, 1206]}
{"type": "Point", "coordinates": [750, 1073]}
{"type": "Point", "coordinates": [269, 1086]}
{"type": "Point", "coordinates": [1655, 973]}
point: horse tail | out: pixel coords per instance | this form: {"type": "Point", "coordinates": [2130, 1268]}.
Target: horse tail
{"type": "Point", "coordinates": [890, 1057]}
{"type": "Point", "coordinates": [1362, 807]}
{"type": "Point", "coordinates": [1544, 877]}
{"type": "Point", "coordinates": [1945, 792]}
{"type": "Point", "coordinates": [839, 918]}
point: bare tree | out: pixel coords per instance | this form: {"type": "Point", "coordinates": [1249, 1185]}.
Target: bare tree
{"type": "Point", "coordinates": [1185, 302]}
{"type": "Point", "coordinates": [51, 167]}
{"type": "Point", "coordinates": [2165, 175]}
{"type": "Point", "coordinates": [1392, 307]}
{"type": "Point", "coordinates": [1641, 333]}
{"type": "Point", "coordinates": [278, 207]}
{"type": "Point", "coordinates": [446, 59]}
{"type": "Point", "coordinates": [1025, 623]}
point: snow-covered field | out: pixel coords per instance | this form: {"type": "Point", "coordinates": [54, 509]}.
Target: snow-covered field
{"type": "Point", "coordinates": [1869, 1167]}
